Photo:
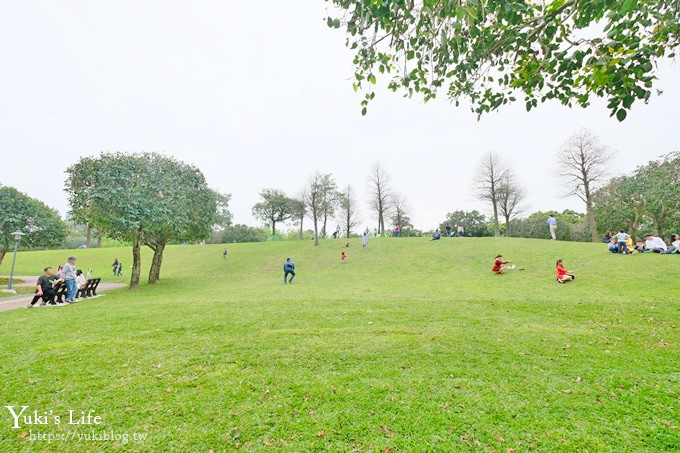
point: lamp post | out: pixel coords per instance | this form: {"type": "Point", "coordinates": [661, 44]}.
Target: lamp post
{"type": "Point", "coordinates": [17, 237]}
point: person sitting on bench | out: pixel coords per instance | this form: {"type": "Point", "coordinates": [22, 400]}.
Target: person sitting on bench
{"type": "Point", "coordinates": [45, 288]}
{"type": "Point", "coordinates": [81, 283]}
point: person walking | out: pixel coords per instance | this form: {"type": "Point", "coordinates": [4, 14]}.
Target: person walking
{"type": "Point", "coordinates": [68, 274]}
{"type": "Point", "coordinates": [224, 254]}
{"type": "Point", "coordinates": [364, 240]}
{"type": "Point", "coordinates": [552, 224]}
{"type": "Point", "coordinates": [448, 230]}
{"type": "Point", "coordinates": [397, 230]}
{"type": "Point", "coordinates": [288, 269]}
{"type": "Point", "coordinates": [120, 269]}
{"type": "Point", "coordinates": [461, 231]}
{"type": "Point", "coordinates": [115, 266]}
{"type": "Point", "coordinates": [45, 288]}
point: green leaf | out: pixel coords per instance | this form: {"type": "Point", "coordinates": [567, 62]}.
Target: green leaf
{"type": "Point", "coordinates": [621, 115]}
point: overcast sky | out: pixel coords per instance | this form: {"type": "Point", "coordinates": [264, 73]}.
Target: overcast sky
{"type": "Point", "coordinates": [258, 94]}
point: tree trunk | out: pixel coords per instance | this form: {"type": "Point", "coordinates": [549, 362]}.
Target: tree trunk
{"type": "Point", "coordinates": [273, 227]}
{"type": "Point", "coordinates": [302, 231]}
{"type": "Point", "coordinates": [507, 226]}
{"type": "Point", "coordinates": [156, 261]}
{"type": "Point", "coordinates": [316, 232]}
{"type": "Point", "coordinates": [3, 251]}
{"type": "Point", "coordinates": [497, 228]}
{"type": "Point", "coordinates": [99, 241]}
{"type": "Point", "coordinates": [88, 236]}
{"type": "Point", "coordinates": [136, 261]}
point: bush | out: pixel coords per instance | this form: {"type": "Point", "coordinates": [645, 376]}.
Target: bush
{"type": "Point", "coordinates": [244, 233]}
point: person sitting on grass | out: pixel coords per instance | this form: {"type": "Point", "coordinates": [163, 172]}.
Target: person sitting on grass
{"type": "Point", "coordinates": [675, 242]}
{"type": "Point", "coordinates": [563, 275]}
{"type": "Point", "coordinates": [45, 288]}
{"type": "Point", "coordinates": [657, 245]}
{"type": "Point", "coordinates": [630, 245]}
{"type": "Point", "coordinates": [499, 265]}
{"type": "Point", "coordinates": [81, 281]}
{"type": "Point", "coordinates": [288, 269]}
{"type": "Point", "coordinates": [436, 235]}
{"type": "Point", "coordinates": [613, 245]}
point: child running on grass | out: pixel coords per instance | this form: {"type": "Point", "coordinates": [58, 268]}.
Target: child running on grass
{"type": "Point", "coordinates": [343, 257]}
{"type": "Point", "coordinates": [499, 265]}
{"type": "Point", "coordinates": [563, 275]}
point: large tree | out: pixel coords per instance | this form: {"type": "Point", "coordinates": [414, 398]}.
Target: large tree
{"type": "Point", "coordinates": [147, 199]}
{"type": "Point", "coordinates": [474, 222]}
{"type": "Point", "coordinates": [491, 172]}
{"type": "Point", "coordinates": [314, 201]}
{"type": "Point", "coordinates": [330, 200]}
{"type": "Point", "coordinates": [275, 207]}
{"type": "Point", "coordinates": [497, 52]}
{"type": "Point", "coordinates": [659, 188]}
{"type": "Point", "coordinates": [582, 165]}
{"type": "Point", "coordinates": [619, 204]}
{"type": "Point", "coordinates": [41, 224]}
{"type": "Point", "coordinates": [349, 209]}
{"type": "Point", "coordinates": [400, 212]}
{"type": "Point", "coordinates": [510, 197]}
{"type": "Point", "coordinates": [299, 206]}
{"type": "Point", "coordinates": [380, 194]}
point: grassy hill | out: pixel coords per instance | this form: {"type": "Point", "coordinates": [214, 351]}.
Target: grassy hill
{"type": "Point", "coordinates": [412, 346]}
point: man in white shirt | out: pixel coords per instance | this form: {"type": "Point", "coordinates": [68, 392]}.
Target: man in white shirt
{"type": "Point", "coordinates": [657, 245]}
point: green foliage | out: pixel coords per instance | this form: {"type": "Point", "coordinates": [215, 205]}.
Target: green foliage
{"type": "Point", "coordinates": [41, 224]}
{"type": "Point", "coordinates": [475, 223]}
{"type": "Point", "coordinates": [243, 233]}
{"type": "Point", "coordinates": [570, 226]}
{"type": "Point", "coordinates": [145, 198]}
{"type": "Point", "coordinates": [275, 207]}
{"type": "Point", "coordinates": [498, 52]}
{"type": "Point", "coordinates": [647, 199]}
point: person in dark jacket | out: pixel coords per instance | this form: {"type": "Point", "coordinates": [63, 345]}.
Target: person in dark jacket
{"type": "Point", "coordinates": [288, 269]}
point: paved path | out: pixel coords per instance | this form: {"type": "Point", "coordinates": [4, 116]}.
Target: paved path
{"type": "Point", "coordinates": [20, 301]}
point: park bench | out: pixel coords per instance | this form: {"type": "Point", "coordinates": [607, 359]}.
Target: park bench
{"type": "Point", "coordinates": [60, 291]}
{"type": "Point", "coordinates": [90, 288]}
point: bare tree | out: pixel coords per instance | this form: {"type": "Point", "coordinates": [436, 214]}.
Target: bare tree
{"type": "Point", "coordinates": [380, 194]}
{"type": "Point", "coordinates": [487, 183]}
{"type": "Point", "coordinates": [400, 211]}
{"type": "Point", "coordinates": [299, 206]}
{"type": "Point", "coordinates": [349, 209]}
{"type": "Point", "coordinates": [582, 164]}
{"type": "Point", "coordinates": [314, 202]}
{"type": "Point", "coordinates": [510, 197]}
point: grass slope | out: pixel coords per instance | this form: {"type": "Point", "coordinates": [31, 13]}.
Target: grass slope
{"type": "Point", "coordinates": [413, 346]}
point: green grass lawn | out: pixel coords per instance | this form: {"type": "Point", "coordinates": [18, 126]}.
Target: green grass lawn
{"type": "Point", "coordinates": [413, 346]}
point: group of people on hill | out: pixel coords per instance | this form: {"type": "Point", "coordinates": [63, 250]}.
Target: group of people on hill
{"type": "Point", "coordinates": [68, 275]}
{"type": "Point", "coordinates": [623, 244]}
{"type": "Point", "coordinates": [448, 231]}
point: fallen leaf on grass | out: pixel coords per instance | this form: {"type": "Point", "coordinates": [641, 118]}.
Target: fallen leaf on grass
{"type": "Point", "coordinates": [500, 439]}
{"type": "Point", "coordinates": [668, 425]}
{"type": "Point", "coordinates": [23, 435]}
{"type": "Point", "coordinates": [321, 434]}
{"type": "Point", "coordinates": [568, 391]}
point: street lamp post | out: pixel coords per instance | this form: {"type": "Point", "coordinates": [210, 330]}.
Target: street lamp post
{"type": "Point", "coordinates": [17, 237]}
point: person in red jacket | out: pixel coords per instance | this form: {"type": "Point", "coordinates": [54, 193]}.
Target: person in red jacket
{"type": "Point", "coordinates": [563, 275]}
{"type": "Point", "coordinates": [499, 264]}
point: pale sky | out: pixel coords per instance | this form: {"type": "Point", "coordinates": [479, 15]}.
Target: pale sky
{"type": "Point", "coordinates": [258, 94]}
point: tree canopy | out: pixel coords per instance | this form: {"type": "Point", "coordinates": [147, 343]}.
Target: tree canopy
{"type": "Point", "coordinates": [275, 207]}
{"type": "Point", "coordinates": [495, 52]}
{"type": "Point", "coordinates": [148, 199]}
{"type": "Point", "coordinates": [41, 224]}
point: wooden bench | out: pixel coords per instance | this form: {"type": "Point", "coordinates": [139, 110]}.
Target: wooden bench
{"type": "Point", "coordinates": [90, 288]}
